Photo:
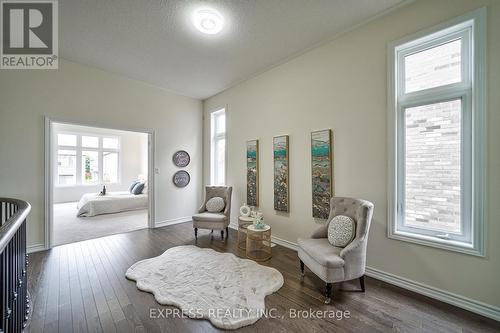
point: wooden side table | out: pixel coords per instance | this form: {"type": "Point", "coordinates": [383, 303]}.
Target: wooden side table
{"type": "Point", "coordinates": [258, 243]}
{"type": "Point", "coordinates": [243, 223]}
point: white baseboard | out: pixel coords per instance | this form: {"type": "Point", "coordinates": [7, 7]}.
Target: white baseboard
{"type": "Point", "coordinates": [469, 304]}
{"type": "Point", "coordinates": [481, 308]}
{"type": "Point", "coordinates": [285, 243]}
{"type": "Point", "coordinates": [172, 221]}
{"type": "Point", "coordinates": [35, 248]}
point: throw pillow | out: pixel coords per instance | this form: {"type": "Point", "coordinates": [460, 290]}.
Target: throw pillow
{"type": "Point", "coordinates": [215, 205]}
{"type": "Point", "coordinates": [138, 188]}
{"type": "Point", "coordinates": [341, 230]}
{"type": "Point", "coordinates": [131, 187]}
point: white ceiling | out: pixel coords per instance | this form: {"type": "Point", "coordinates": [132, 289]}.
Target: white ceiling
{"type": "Point", "coordinates": [155, 41]}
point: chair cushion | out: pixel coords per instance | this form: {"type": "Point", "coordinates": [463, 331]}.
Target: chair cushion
{"type": "Point", "coordinates": [322, 251]}
{"type": "Point", "coordinates": [341, 230]}
{"type": "Point", "coordinates": [209, 217]}
{"type": "Point", "coordinates": [215, 205]}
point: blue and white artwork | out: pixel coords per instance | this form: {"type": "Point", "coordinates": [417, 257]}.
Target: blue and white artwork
{"type": "Point", "coordinates": [321, 167]}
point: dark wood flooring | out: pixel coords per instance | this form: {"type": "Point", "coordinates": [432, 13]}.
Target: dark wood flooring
{"type": "Point", "coordinates": [81, 287]}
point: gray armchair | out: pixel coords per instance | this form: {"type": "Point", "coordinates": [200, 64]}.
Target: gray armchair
{"type": "Point", "coordinates": [218, 221]}
{"type": "Point", "coordinates": [334, 264]}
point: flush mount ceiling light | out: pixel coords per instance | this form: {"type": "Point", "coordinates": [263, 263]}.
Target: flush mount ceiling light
{"type": "Point", "coordinates": [208, 21]}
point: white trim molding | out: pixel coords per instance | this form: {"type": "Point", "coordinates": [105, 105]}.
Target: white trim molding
{"type": "Point", "coordinates": [178, 220]}
{"type": "Point", "coordinates": [215, 139]}
{"type": "Point", "coordinates": [36, 248]}
{"type": "Point", "coordinates": [49, 172]}
{"type": "Point", "coordinates": [471, 30]}
{"type": "Point", "coordinates": [284, 243]}
{"type": "Point", "coordinates": [466, 303]}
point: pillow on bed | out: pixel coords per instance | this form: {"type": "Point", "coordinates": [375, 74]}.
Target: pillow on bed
{"type": "Point", "coordinates": [131, 187]}
{"type": "Point", "coordinates": [138, 188]}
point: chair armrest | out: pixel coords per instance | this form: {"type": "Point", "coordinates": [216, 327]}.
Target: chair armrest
{"type": "Point", "coordinates": [321, 232]}
{"type": "Point", "coordinates": [353, 248]}
{"type": "Point", "coordinates": [202, 209]}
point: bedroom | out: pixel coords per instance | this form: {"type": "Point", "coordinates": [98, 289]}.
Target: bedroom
{"type": "Point", "coordinates": [99, 182]}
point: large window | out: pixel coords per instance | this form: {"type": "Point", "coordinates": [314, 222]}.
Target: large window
{"type": "Point", "coordinates": [87, 159]}
{"type": "Point", "coordinates": [218, 148]}
{"type": "Point", "coordinates": [436, 136]}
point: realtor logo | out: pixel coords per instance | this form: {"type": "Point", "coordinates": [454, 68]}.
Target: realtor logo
{"type": "Point", "coordinates": [29, 34]}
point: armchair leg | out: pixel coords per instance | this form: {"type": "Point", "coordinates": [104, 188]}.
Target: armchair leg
{"type": "Point", "coordinates": [328, 293]}
{"type": "Point", "coordinates": [222, 234]}
{"type": "Point", "coordinates": [362, 283]}
{"type": "Point", "coordinates": [302, 273]}
{"type": "Point", "coordinates": [227, 231]}
{"type": "Point", "coordinates": [196, 233]}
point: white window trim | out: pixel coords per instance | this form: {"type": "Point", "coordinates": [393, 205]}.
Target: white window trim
{"type": "Point", "coordinates": [213, 138]}
{"type": "Point", "coordinates": [476, 208]}
{"type": "Point", "coordinates": [79, 149]}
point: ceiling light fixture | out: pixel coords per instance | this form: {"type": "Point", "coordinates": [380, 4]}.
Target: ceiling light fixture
{"type": "Point", "coordinates": [208, 21]}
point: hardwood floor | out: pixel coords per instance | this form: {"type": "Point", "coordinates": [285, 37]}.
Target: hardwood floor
{"type": "Point", "coordinates": [81, 287]}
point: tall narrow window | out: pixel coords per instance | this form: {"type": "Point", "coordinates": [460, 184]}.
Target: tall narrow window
{"type": "Point", "coordinates": [218, 148]}
{"type": "Point", "coordinates": [436, 132]}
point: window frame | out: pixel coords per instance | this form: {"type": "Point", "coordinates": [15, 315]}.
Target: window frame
{"type": "Point", "coordinates": [471, 90]}
{"type": "Point", "coordinates": [79, 149]}
{"type": "Point", "coordinates": [215, 139]}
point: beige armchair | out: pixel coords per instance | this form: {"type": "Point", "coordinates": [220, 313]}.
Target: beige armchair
{"type": "Point", "coordinates": [334, 264]}
{"type": "Point", "coordinates": [218, 221]}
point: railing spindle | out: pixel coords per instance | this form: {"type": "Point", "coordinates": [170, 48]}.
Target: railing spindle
{"type": "Point", "coordinates": [13, 258]}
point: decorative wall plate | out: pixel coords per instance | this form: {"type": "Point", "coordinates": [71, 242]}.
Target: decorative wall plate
{"type": "Point", "coordinates": [181, 158]}
{"type": "Point", "coordinates": [181, 178]}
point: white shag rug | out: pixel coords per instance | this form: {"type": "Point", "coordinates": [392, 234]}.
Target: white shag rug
{"type": "Point", "coordinates": [203, 283]}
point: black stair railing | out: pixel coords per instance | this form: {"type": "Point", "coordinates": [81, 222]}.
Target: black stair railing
{"type": "Point", "coordinates": [14, 302]}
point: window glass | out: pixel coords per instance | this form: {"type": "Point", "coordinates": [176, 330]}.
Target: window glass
{"type": "Point", "coordinates": [66, 140]}
{"type": "Point", "coordinates": [218, 148]}
{"type": "Point", "coordinates": [110, 167]}
{"type": "Point", "coordinates": [66, 167]}
{"type": "Point", "coordinates": [90, 167]}
{"type": "Point", "coordinates": [432, 166]}
{"type": "Point", "coordinates": [221, 157]}
{"type": "Point", "coordinates": [90, 141]}
{"type": "Point", "coordinates": [110, 143]}
{"type": "Point", "coordinates": [221, 123]}
{"type": "Point", "coordinates": [433, 67]}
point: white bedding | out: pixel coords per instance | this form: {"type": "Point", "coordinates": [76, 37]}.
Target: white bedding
{"type": "Point", "coordinates": [92, 204]}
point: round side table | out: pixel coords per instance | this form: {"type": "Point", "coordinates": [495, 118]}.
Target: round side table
{"type": "Point", "coordinates": [243, 223]}
{"type": "Point", "coordinates": [258, 243]}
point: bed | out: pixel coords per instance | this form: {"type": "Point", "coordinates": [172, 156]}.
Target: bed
{"type": "Point", "coordinates": [92, 204]}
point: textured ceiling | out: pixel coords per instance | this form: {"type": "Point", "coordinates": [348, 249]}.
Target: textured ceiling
{"type": "Point", "coordinates": [154, 40]}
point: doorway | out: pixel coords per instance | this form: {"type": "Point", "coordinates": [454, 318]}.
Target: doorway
{"type": "Point", "coordinates": [98, 181]}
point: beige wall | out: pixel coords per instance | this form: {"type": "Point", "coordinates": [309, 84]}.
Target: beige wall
{"type": "Point", "coordinates": [84, 94]}
{"type": "Point", "coordinates": [342, 85]}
